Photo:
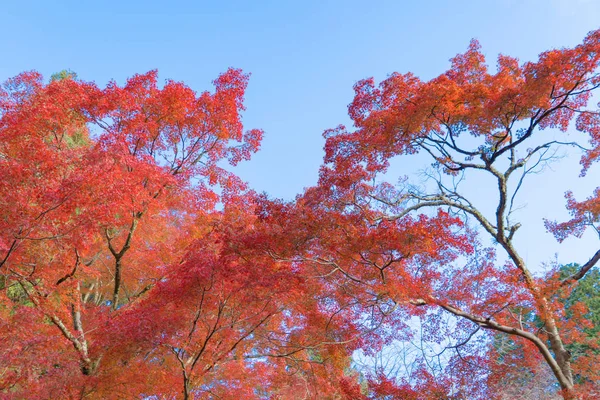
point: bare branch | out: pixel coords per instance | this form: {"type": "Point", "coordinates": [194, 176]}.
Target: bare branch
{"type": "Point", "coordinates": [583, 270]}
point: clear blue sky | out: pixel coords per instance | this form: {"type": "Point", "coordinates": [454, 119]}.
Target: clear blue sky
{"type": "Point", "coordinates": [304, 57]}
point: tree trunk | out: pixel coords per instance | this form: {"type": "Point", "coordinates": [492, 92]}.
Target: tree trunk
{"type": "Point", "coordinates": [117, 290]}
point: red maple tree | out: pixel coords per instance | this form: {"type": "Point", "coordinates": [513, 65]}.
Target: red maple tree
{"type": "Point", "coordinates": [402, 251]}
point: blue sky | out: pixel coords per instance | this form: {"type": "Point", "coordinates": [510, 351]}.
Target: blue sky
{"type": "Point", "coordinates": [304, 57]}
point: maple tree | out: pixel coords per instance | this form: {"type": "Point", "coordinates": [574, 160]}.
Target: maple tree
{"type": "Point", "coordinates": [117, 274]}
{"type": "Point", "coordinates": [402, 251]}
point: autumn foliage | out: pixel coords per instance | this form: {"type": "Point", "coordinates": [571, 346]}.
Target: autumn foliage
{"type": "Point", "coordinates": [135, 264]}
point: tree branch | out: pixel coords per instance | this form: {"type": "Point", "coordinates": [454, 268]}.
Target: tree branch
{"type": "Point", "coordinates": [583, 270]}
